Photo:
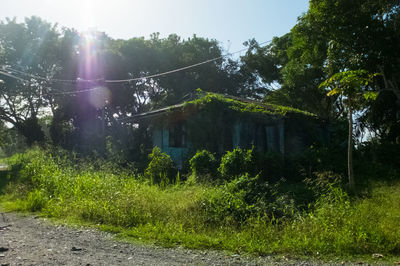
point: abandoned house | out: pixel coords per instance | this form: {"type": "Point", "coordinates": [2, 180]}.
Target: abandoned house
{"type": "Point", "coordinates": [219, 123]}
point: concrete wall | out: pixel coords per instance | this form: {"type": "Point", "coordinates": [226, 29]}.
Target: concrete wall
{"type": "Point", "coordinates": [161, 139]}
{"type": "Point", "coordinates": [286, 136]}
{"type": "Point", "coordinates": [267, 136]}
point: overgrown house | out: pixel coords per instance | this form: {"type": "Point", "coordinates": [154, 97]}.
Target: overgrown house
{"type": "Point", "coordinates": [219, 123]}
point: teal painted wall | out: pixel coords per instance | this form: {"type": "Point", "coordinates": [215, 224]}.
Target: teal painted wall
{"type": "Point", "coordinates": [267, 136]}
{"type": "Point", "coordinates": [244, 135]}
{"type": "Point", "coordinates": [161, 139]}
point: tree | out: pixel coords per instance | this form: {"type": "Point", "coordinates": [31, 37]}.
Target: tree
{"type": "Point", "coordinates": [354, 87]}
{"type": "Point", "coordinates": [288, 79]}
{"type": "Point", "coordinates": [30, 47]}
{"type": "Point", "coordinates": [335, 36]}
{"type": "Point", "coordinates": [329, 38]}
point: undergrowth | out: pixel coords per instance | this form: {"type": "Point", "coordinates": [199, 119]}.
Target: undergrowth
{"type": "Point", "coordinates": [241, 215]}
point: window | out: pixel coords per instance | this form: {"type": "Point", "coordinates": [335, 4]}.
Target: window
{"type": "Point", "coordinates": [177, 135]}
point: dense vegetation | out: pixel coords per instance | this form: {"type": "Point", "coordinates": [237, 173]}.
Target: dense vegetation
{"type": "Point", "coordinates": [243, 214]}
{"type": "Point", "coordinates": [93, 165]}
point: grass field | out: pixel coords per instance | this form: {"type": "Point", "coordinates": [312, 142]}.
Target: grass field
{"type": "Point", "coordinates": [205, 216]}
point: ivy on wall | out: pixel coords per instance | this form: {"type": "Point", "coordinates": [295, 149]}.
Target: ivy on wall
{"type": "Point", "coordinates": [210, 119]}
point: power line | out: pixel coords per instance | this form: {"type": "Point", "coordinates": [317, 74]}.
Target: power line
{"type": "Point", "coordinates": [71, 92]}
{"type": "Point", "coordinates": [114, 81]}
{"type": "Point", "coordinates": [182, 68]}
{"type": "Point", "coordinates": [50, 79]}
{"type": "Point", "coordinates": [48, 93]}
{"type": "Point", "coordinates": [163, 73]}
{"type": "Point", "coordinates": [12, 76]}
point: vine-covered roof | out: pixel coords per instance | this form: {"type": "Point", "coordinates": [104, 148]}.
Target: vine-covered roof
{"type": "Point", "coordinates": [203, 100]}
{"type": "Point", "coordinates": [244, 105]}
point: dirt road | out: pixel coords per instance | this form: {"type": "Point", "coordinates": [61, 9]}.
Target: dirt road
{"type": "Point", "coordinates": [27, 240]}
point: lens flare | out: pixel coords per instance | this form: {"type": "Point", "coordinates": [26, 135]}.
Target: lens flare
{"type": "Point", "coordinates": [99, 97]}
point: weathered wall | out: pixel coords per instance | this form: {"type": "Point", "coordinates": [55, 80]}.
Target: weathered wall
{"type": "Point", "coordinates": [264, 136]}
{"type": "Point", "coordinates": [301, 132]}
{"type": "Point", "coordinates": [287, 136]}
{"type": "Point", "coordinates": [161, 140]}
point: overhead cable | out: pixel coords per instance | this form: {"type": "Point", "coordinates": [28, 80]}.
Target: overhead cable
{"type": "Point", "coordinates": [50, 79]}
{"type": "Point", "coordinates": [12, 76]}
{"type": "Point", "coordinates": [78, 80]}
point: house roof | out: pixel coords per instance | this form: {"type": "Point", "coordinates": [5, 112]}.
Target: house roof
{"type": "Point", "coordinates": [233, 103]}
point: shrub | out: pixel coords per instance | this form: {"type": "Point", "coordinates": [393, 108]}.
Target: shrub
{"type": "Point", "coordinates": [246, 214]}
{"type": "Point", "coordinates": [244, 198]}
{"type": "Point", "coordinates": [321, 183]}
{"type": "Point", "coordinates": [235, 163]}
{"type": "Point", "coordinates": [36, 201]}
{"type": "Point", "coordinates": [222, 206]}
{"type": "Point", "coordinates": [161, 168]}
{"type": "Point", "coordinates": [316, 159]}
{"type": "Point", "coordinates": [204, 166]}
{"type": "Point", "coordinates": [269, 165]}
{"type": "Point", "coordinates": [17, 165]}
{"type": "Point", "coordinates": [264, 198]}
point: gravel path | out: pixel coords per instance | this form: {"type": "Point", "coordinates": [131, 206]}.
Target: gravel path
{"type": "Point", "coordinates": [28, 240]}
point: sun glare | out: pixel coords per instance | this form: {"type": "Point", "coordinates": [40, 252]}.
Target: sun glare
{"type": "Point", "coordinates": [87, 14]}
{"type": "Point", "coordinates": [99, 97]}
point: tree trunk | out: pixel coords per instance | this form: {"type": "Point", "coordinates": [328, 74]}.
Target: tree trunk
{"type": "Point", "coordinates": [31, 130]}
{"type": "Point", "coordinates": [350, 152]}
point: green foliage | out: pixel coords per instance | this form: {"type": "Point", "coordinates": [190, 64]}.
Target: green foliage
{"type": "Point", "coordinates": [59, 188]}
{"type": "Point", "coordinates": [383, 161]}
{"type": "Point", "coordinates": [10, 141]}
{"type": "Point", "coordinates": [246, 214]}
{"type": "Point", "coordinates": [340, 226]}
{"type": "Point", "coordinates": [36, 201]}
{"type": "Point", "coordinates": [204, 166]}
{"type": "Point", "coordinates": [269, 165]}
{"type": "Point", "coordinates": [30, 45]}
{"type": "Point", "coordinates": [325, 41]}
{"type": "Point", "coordinates": [321, 183]}
{"type": "Point", "coordinates": [354, 84]}
{"type": "Point", "coordinates": [40, 49]}
{"type": "Point", "coordinates": [235, 163]}
{"type": "Point", "coordinates": [19, 166]}
{"type": "Point", "coordinates": [317, 159]}
{"type": "Point", "coordinates": [210, 100]}
{"type": "Point", "coordinates": [161, 168]}
{"type": "Point", "coordinates": [246, 197]}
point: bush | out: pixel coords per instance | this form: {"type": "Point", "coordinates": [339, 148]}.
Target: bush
{"type": "Point", "coordinates": [161, 168]}
{"type": "Point", "coordinates": [235, 163]}
{"type": "Point", "coordinates": [269, 165]}
{"type": "Point", "coordinates": [246, 214]}
{"type": "Point", "coordinates": [17, 165]}
{"type": "Point", "coordinates": [321, 183]}
{"type": "Point", "coordinates": [36, 201]}
{"type": "Point", "coordinates": [245, 197]}
{"type": "Point", "coordinates": [264, 198]}
{"type": "Point", "coordinates": [204, 166]}
{"type": "Point", "coordinates": [316, 159]}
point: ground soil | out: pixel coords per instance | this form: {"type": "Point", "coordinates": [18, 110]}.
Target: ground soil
{"type": "Point", "coordinates": [29, 240]}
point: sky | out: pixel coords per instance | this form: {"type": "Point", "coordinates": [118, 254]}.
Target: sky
{"type": "Point", "coordinates": [231, 22]}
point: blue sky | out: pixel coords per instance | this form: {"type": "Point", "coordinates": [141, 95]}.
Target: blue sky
{"type": "Point", "coordinates": [229, 21]}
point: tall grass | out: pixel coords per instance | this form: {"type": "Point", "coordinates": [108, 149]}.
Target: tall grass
{"type": "Point", "coordinates": [204, 216]}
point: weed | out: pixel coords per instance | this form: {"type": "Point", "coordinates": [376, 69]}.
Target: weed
{"type": "Point", "coordinates": [246, 214]}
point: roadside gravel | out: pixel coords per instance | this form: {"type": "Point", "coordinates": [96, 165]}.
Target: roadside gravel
{"type": "Point", "coordinates": [28, 240]}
